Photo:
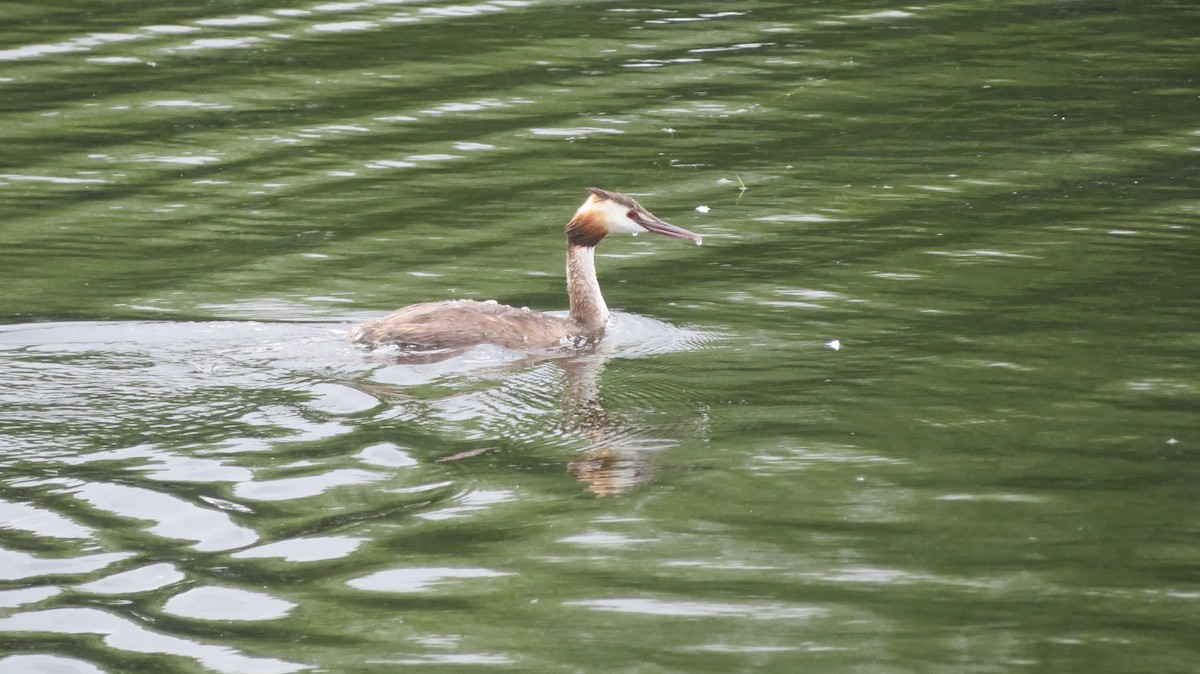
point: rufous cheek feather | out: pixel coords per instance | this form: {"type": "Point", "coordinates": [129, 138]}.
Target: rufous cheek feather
{"type": "Point", "coordinates": [586, 229]}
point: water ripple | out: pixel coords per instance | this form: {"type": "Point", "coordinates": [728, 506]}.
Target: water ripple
{"type": "Point", "coordinates": [125, 635]}
{"type": "Point", "coordinates": [41, 522]}
{"type": "Point", "coordinates": [292, 488]}
{"type": "Point", "coordinates": [142, 579]}
{"type": "Point", "coordinates": [419, 579]}
{"type": "Point", "coordinates": [225, 603]}
{"type": "Point", "coordinates": [174, 517]}
{"type": "Point", "coordinates": [26, 595]}
{"type": "Point", "coordinates": [46, 664]}
{"type": "Point", "coordinates": [699, 609]}
{"type": "Point", "coordinates": [312, 549]}
{"type": "Point", "coordinates": [19, 565]}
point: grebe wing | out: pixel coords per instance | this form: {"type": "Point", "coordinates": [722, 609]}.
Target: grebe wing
{"type": "Point", "coordinates": [460, 323]}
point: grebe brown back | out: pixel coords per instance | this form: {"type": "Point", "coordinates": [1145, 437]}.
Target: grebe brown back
{"type": "Point", "coordinates": [462, 323]}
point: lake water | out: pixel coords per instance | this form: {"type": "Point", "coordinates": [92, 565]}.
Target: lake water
{"type": "Point", "coordinates": [927, 399]}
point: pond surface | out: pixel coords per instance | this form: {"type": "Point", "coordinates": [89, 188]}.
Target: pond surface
{"type": "Point", "coordinates": [927, 399]}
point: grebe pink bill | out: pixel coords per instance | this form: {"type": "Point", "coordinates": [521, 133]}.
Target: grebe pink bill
{"type": "Point", "coordinates": [456, 324]}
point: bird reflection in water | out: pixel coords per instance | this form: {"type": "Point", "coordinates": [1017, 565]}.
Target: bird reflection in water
{"type": "Point", "coordinates": [619, 450]}
{"type": "Point", "coordinates": [613, 463]}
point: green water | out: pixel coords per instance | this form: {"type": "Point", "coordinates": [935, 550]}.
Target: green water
{"type": "Point", "coordinates": [990, 208]}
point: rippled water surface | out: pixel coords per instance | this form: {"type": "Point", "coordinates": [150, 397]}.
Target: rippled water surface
{"type": "Point", "coordinates": [926, 399]}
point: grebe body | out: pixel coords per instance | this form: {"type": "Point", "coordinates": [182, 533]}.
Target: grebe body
{"type": "Point", "coordinates": [463, 323]}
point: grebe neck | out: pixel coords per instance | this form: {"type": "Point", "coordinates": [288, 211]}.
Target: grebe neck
{"type": "Point", "coordinates": [587, 304]}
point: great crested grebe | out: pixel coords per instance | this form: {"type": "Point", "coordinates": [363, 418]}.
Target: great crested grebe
{"type": "Point", "coordinates": [463, 323]}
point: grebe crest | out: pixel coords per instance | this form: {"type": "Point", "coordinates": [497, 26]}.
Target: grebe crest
{"type": "Point", "coordinates": [457, 324]}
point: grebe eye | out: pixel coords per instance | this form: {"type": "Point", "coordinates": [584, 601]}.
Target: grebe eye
{"type": "Point", "coordinates": [632, 215]}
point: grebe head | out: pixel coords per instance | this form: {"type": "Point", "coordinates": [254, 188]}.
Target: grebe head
{"type": "Point", "coordinates": [607, 212]}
